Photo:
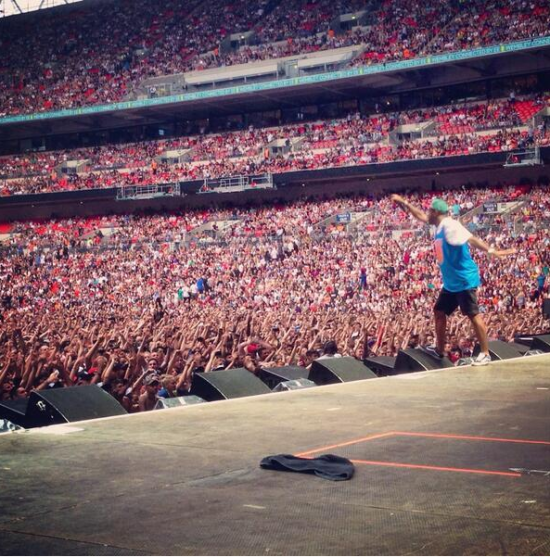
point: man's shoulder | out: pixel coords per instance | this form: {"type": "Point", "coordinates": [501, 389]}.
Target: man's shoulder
{"type": "Point", "coordinates": [448, 222]}
{"type": "Point", "coordinates": [454, 231]}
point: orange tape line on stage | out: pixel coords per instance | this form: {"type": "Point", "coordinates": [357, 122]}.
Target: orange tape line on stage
{"type": "Point", "coordinates": [346, 443]}
{"type": "Point", "coordinates": [470, 438]}
{"type": "Point", "coordinates": [438, 468]}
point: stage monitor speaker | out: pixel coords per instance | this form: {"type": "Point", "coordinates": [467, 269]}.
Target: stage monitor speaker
{"type": "Point", "coordinates": [72, 404]}
{"type": "Point", "coordinates": [272, 376]}
{"type": "Point", "coordinates": [519, 347]}
{"type": "Point", "coordinates": [526, 340]}
{"type": "Point", "coordinates": [15, 411]}
{"type": "Point", "coordinates": [381, 365]}
{"type": "Point", "coordinates": [326, 371]}
{"type": "Point", "coordinates": [176, 401]}
{"type": "Point", "coordinates": [415, 359]}
{"type": "Point", "coordinates": [546, 308]}
{"type": "Point", "coordinates": [541, 342]}
{"type": "Point", "coordinates": [500, 350]}
{"type": "Point", "coordinates": [225, 384]}
{"type": "Point", "coordinates": [294, 385]}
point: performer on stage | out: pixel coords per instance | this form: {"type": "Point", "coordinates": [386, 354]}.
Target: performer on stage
{"type": "Point", "coordinates": [459, 272]}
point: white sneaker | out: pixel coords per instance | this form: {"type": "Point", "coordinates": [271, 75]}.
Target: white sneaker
{"type": "Point", "coordinates": [481, 359]}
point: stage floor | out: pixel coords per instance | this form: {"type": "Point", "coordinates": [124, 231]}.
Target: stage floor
{"type": "Point", "coordinates": [450, 462]}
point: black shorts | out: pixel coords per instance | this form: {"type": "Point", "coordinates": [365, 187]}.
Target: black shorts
{"type": "Point", "coordinates": [465, 299]}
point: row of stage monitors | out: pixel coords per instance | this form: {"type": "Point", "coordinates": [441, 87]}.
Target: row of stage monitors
{"type": "Point", "coordinates": [83, 403]}
{"type": "Point", "coordinates": [57, 406]}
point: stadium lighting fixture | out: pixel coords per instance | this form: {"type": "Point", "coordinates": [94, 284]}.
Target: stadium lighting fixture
{"type": "Point", "coordinates": [15, 7]}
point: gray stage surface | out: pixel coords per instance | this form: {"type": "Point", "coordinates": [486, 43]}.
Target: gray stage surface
{"type": "Point", "coordinates": [447, 462]}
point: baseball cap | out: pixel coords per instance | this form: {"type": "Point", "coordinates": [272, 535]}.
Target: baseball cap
{"type": "Point", "coordinates": [440, 206]}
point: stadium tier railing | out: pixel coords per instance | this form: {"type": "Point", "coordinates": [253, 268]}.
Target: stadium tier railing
{"type": "Point", "coordinates": [235, 184]}
{"type": "Point", "coordinates": [124, 193]}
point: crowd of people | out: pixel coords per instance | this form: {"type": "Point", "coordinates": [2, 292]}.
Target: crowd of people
{"type": "Point", "coordinates": [398, 31]}
{"type": "Point", "coordinates": [88, 55]}
{"type": "Point", "coordinates": [354, 140]}
{"type": "Point", "coordinates": [141, 303]}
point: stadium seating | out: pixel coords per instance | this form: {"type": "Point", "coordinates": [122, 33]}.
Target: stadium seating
{"type": "Point", "coordinates": [486, 127]}
{"type": "Point", "coordinates": [111, 51]}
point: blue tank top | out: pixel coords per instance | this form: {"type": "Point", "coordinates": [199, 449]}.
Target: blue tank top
{"type": "Point", "coordinates": [458, 269]}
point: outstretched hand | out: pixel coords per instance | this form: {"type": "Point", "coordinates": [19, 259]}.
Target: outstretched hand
{"type": "Point", "coordinates": [397, 198]}
{"type": "Point", "coordinates": [505, 252]}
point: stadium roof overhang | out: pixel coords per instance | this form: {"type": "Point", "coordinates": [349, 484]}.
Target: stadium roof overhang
{"type": "Point", "coordinates": [438, 71]}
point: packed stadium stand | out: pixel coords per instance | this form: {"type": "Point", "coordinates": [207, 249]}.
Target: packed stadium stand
{"type": "Point", "coordinates": [138, 281]}
{"type": "Point", "coordinates": [445, 131]}
{"type": "Point", "coordinates": [103, 52]}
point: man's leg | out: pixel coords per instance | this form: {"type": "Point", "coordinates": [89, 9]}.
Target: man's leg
{"type": "Point", "coordinates": [481, 332]}
{"type": "Point", "coordinates": [445, 305]}
{"type": "Point", "coordinates": [440, 330]}
{"type": "Point", "coordinates": [469, 307]}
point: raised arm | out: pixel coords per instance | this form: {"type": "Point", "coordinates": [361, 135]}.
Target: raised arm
{"type": "Point", "coordinates": [484, 246]}
{"type": "Point", "coordinates": [406, 206]}
{"type": "Point", "coordinates": [4, 372]}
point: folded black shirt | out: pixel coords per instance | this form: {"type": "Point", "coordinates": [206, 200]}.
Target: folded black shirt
{"type": "Point", "coordinates": [327, 466]}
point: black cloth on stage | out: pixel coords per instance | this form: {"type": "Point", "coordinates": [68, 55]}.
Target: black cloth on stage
{"type": "Point", "coordinates": [327, 466]}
